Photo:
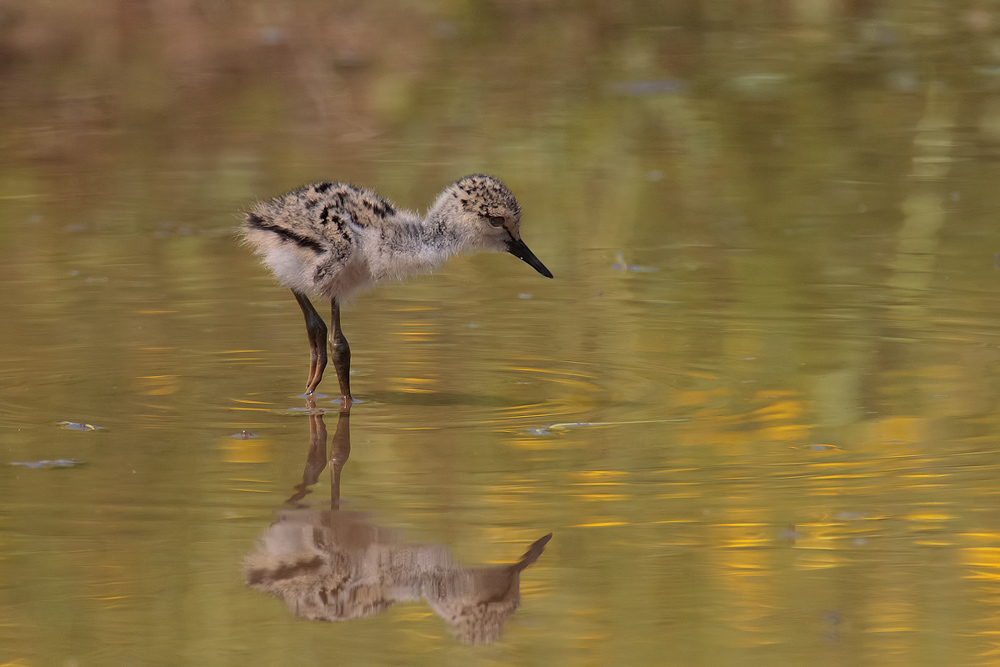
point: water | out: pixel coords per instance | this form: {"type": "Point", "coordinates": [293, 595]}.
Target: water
{"type": "Point", "coordinates": [756, 408]}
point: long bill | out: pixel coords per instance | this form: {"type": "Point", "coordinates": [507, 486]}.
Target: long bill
{"type": "Point", "coordinates": [517, 248]}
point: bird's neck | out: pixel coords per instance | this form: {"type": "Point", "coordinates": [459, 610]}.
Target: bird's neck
{"type": "Point", "coordinates": [438, 230]}
{"type": "Point", "coordinates": [415, 245]}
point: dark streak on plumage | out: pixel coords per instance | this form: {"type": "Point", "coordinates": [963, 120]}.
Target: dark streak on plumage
{"type": "Point", "coordinates": [284, 572]}
{"type": "Point", "coordinates": [257, 222]}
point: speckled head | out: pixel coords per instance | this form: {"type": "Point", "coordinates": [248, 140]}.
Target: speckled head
{"type": "Point", "coordinates": [487, 196]}
{"type": "Point", "coordinates": [488, 211]}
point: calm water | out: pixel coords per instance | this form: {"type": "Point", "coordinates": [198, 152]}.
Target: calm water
{"type": "Point", "coordinates": [757, 408]}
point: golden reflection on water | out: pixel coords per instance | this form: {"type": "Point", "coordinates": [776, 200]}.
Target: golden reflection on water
{"type": "Point", "coordinates": [757, 408]}
{"type": "Point", "coordinates": [336, 565]}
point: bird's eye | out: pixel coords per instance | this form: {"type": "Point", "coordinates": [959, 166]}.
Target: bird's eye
{"type": "Point", "coordinates": [496, 220]}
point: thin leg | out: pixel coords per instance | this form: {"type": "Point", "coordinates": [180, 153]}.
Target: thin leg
{"type": "Point", "coordinates": [316, 330]}
{"type": "Point", "coordinates": [341, 357]}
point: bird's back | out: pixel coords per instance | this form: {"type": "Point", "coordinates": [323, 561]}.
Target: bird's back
{"type": "Point", "coordinates": [318, 217]}
{"type": "Point", "coordinates": [307, 236]}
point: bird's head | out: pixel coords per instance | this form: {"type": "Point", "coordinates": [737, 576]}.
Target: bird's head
{"type": "Point", "coordinates": [486, 216]}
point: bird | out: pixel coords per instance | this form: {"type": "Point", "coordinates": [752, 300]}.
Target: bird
{"type": "Point", "coordinates": [335, 240]}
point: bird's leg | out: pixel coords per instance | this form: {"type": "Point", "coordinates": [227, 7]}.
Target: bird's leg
{"type": "Point", "coordinates": [316, 330]}
{"type": "Point", "coordinates": [341, 357]}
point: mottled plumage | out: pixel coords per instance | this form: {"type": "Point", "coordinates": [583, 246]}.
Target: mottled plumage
{"type": "Point", "coordinates": [335, 240]}
{"type": "Point", "coordinates": [337, 566]}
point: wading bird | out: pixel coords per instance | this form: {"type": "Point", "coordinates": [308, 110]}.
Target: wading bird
{"type": "Point", "coordinates": [335, 240]}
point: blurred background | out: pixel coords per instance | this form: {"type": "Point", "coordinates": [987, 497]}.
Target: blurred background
{"type": "Point", "coordinates": [757, 407]}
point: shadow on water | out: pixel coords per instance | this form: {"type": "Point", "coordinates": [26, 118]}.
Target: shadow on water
{"type": "Point", "coordinates": [336, 565]}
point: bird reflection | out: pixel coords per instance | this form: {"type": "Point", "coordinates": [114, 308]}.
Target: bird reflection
{"type": "Point", "coordinates": [335, 565]}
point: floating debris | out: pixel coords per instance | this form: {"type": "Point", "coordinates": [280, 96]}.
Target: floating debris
{"type": "Point", "coordinates": [547, 430]}
{"type": "Point", "coordinates": [565, 426]}
{"type": "Point", "coordinates": [78, 426]}
{"type": "Point", "coordinates": [789, 534]}
{"type": "Point", "coordinates": [817, 447]}
{"type": "Point", "coordinates": [759, 85]}
{"type": "Point", "coordinates": [47, 463]}
{"type": "Point", "coordinates": [621, 265]}
{"type": "Point", "coordinates": [649, 87]}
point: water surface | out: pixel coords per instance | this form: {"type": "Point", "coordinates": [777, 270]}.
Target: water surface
{"type": "Point", "coordinates": [756, 408]}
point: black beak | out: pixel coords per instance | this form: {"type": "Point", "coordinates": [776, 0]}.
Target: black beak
{"type": "Point", "coordinates": [517, 248]}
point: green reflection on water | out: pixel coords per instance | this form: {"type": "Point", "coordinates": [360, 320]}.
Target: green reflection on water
{"type": "Point", "coordinates": [785, 439]}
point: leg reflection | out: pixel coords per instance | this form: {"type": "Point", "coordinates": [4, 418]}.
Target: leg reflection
{"type": "Point", "coordinates": [336, 565]}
